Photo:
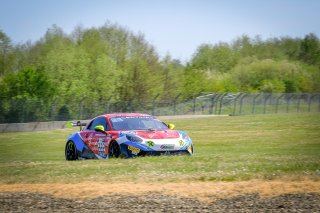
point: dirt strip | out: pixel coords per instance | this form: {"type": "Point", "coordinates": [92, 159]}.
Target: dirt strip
{"type": "Point", "coordinates": [23, 202]}
{"type": "Point", "coordinates": [204, 191]}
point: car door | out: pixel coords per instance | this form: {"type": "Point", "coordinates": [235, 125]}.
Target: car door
{"type": "Point", "coordinates": [96, 140]}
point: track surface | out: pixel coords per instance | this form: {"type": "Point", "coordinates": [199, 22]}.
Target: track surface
{"type": "Point", "coordinates": [35, 202]}
{"type": "Point", "coordinates": [246, 196]}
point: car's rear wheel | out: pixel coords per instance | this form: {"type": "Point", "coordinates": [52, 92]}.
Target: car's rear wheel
{"type": "Point", "coordinates": [71, 151]}
{"type": "Point", "coordinates": [114, 150]}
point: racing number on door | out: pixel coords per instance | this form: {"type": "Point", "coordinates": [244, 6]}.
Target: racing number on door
{"type": "Point", "coordinates": [101, 147]}
{"type": "Point", "coordinates": [96, 142]}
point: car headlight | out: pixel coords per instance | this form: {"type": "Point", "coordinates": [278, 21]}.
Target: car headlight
{"type": "Point", "coordinates": [134, 138]}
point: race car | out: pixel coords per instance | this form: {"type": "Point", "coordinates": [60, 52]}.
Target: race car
{"type": "Point", "coordinates": [126, 135]}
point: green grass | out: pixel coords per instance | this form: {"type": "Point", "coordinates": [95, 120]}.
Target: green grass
{"type": "Point", "coordinates": [226, 148]}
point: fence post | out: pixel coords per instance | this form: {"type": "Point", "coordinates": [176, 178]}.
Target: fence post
{"type": "Point", "coordinates": [288, 102]}
{"type": "Point", "coordinates": [235, 104]}
{"type": "Point", "coordinates": [23, 105]}
{"type": "Point", "coordinates": [277, 103]}
{"type": "Point", "coordinates": [298, 103]}
{"type": "Point", "coordinates": [194, 104]}
{"type": "Point", "coordinates": [212, 103]}
{"type": "Point", "coordinates": [80, 109]}
{"type": "Point", "coordinates": [53, 110]}
{"type": "Point", "coordinates": [174, 103]}
{"type": "Point", "coordinates": [265, 103]}
{"type": "Point", "coordinates": [154, 103]}
{"type": "Point", "coordinates": [319, 102]}
{"type": "Point", "coordinates": [254, 103]}
{"type": "Point", "coordinates": [108, 104]}
{"type": "Point", "coordinates": [216, 102]}
{"type": "Point", "coordinates": [241, 102]}
{"type": "Point", "coordinates": [221, 102]}
{"type": "Point", "coordinates": [310, 101]}
{"type": "Point", "coordinates": [129, 106]}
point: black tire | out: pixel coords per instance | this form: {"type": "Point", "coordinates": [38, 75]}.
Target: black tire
{"type": "Point", "coordinates": [71, 151]}
{"type": "Point", "coordinates": [114, 150]}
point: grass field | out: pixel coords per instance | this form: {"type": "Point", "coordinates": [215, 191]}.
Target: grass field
{"type": "Point", "coordinates": [230, 148]}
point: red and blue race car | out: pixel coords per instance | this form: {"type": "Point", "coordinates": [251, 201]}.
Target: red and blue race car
{"type": "Point", "coordinates": [126, 135]}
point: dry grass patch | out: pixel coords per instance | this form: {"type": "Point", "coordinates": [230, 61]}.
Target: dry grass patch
{"type": "Point", "coordinates": [204, 191]}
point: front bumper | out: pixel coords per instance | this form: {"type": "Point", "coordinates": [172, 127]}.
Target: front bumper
{"type": "Point", "coordinates": [132, 149]}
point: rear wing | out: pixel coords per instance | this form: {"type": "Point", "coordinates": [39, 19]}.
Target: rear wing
{"type": "Point", "coordinates": [70, 124]}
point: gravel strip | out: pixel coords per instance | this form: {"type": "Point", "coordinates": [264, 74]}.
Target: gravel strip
{"type": "Point", "coordinates": [35, 202]}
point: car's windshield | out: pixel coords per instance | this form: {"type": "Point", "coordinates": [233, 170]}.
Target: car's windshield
{"type": "Point", "coordinates": [136, 123]}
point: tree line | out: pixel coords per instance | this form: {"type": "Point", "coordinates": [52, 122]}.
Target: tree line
{"type": "Point", "coordinates": [112, 64]}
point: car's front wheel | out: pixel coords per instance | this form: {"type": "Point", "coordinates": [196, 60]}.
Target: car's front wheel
{"type": "Point", "coordinates": [71, 151]}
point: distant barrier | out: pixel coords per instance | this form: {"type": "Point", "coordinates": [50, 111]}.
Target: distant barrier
{"type": "Point", "coordinates": [260, 103]}
{"type": "Point", "coordinates": [214, 103]}
{"type": "Point", "coordinates": [32, 126]}
{"type": "Point", "coordinates": [53, 125]}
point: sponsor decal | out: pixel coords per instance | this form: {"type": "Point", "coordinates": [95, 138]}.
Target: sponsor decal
{"type": "Point", "coordinates": [126, 133]}
{"type": "Point", "coordinates": [167, 146]}
{"type": "Point", "coordinates": [101, 147]}
{"type": "Point", "coordinates": [181, 143]}
{"type": "Point", "coordinates": [134, 149]}
{"type": "Point", "coordinates": [150, 143]}
{"type": "Point", "coordinates": [151, 135]}
{"type": "Point", "coordinates": [92, 141]}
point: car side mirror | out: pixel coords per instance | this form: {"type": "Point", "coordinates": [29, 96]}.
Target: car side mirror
{"type": "Point", "coordinates": [99, 128]}
{"type": "Point", "coordinates": [171, 126]}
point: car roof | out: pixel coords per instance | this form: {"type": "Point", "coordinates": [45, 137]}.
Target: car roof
{"type": "Point", "coordinates": [124, 115]}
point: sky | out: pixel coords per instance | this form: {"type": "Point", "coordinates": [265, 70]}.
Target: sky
{"type": "Point", "coordinates": [175, 27]}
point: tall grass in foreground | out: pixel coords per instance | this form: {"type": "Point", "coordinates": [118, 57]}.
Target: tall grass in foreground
{"type": "Point", "coordinates": [226, 148]}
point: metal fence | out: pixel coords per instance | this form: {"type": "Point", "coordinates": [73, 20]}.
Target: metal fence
{"type": "Point", "coordinates": [13, 111]}
{"type": "Point", "coordinates": [260, 103]}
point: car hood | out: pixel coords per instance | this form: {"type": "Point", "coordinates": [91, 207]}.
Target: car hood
{"type": "Point", "coordinates": [165, 134]}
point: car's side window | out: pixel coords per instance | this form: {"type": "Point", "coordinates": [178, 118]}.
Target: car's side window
{"type": "Point", "coordinates": [99, 121]}
{"type": "Point", "coordinates": [90, 125]}
{"type": "Point", "coordinates": [104, 123]}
